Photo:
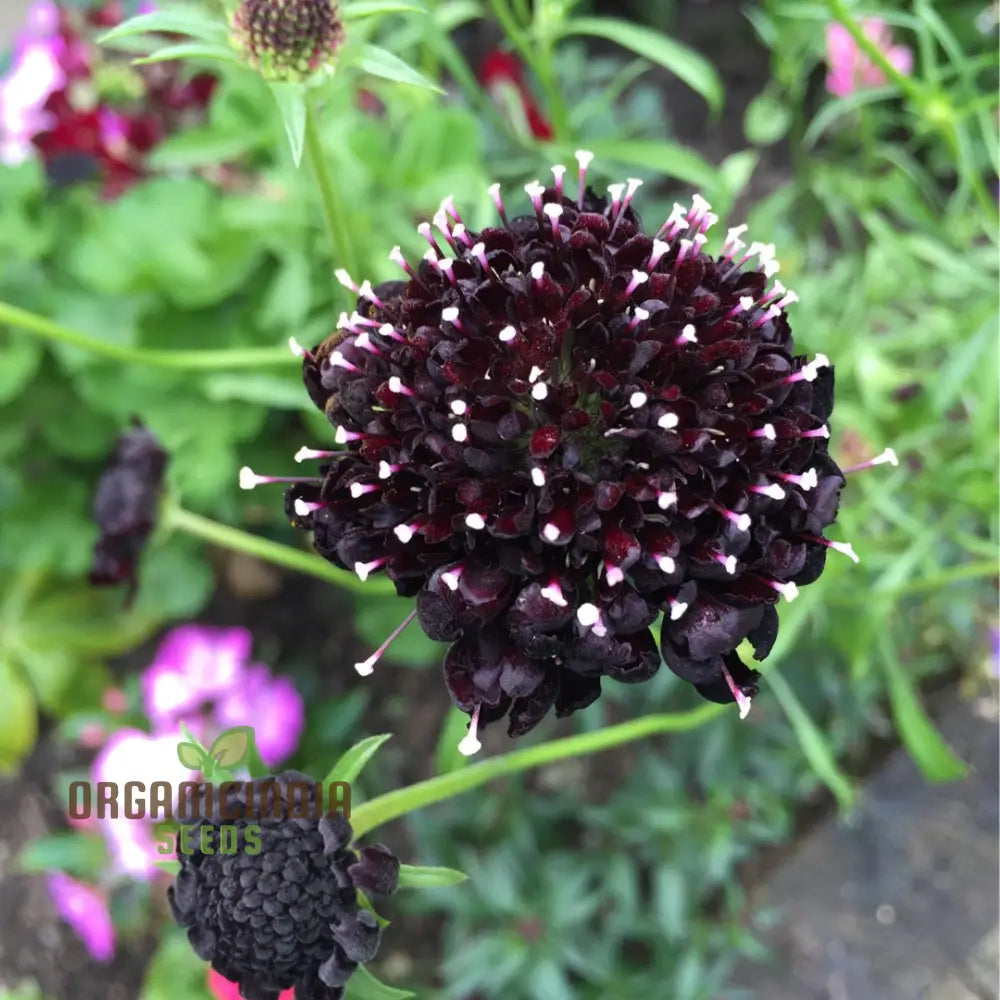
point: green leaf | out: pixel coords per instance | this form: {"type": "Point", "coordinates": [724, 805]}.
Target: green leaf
{"type": "Point", "coordinates": [369, 8]}
{"type": "Point", "coordinates": [171, 867]}
{"type": "Point", "coordinates": [447, 756]}
{"type": "Point", "coordinates": [351, 763]}
{"type": "Point", "coordinates": [291, 101]}
{"type": "Point", "coordinates": [176, 21]}
{"type": "Point", "coordinates": [686, 64]}
{"type": "Point", "coordinates": [921, 738]}
{"type": "Point", "coordinates": [364, 986]}
{"type": "Point", "coordinates": [814, 744]}
{"type": "Point", "coordinates": [18, 716]}
{"type": "Point", "coordinates": [666, 158]}
{"type": "Point", "coordinates": [190, 756]}
{"type": "Point", "coordinates": [21, 357]}
{"type": "Point", "coordinates": [382, 63]}
{"type": "Point", "coordinates": [426, 877]}
{"type": "Point", "coordinates": [77, 853]}
{"type": "Point", "coordinates": [190, 50]}
{"type": "Point", "coordinates": [175, 970]}
{"type": "Point", "coordinates": [231, 746]}
{"type": "Point", "coordinates": [767, 119]}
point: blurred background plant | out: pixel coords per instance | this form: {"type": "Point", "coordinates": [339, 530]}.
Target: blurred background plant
{"type": "Point", "coordinates": [860, 139]}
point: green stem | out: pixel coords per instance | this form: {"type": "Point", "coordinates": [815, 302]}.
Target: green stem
{"type": "Point", "coordinates": [333, 209]}
{"type": "Point", "coordinates": [540, 64]}
{"type": "Point", "coordinates": [392, 805]}
{"type": "Point", "coordinates": [273, 552]}
{"type": "Point", "coordinates": [198, 360]}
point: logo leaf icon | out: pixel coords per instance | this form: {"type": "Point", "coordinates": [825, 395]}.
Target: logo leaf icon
{"type": "Point", "coordinates": [231, 746]}
{"type": "Point", "coordinates": [190, 756]}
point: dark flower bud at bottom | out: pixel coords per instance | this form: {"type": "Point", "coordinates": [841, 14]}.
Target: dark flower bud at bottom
{"type": "Point", "coordinates": [125, 506]}
{"type": "Point", "coordinates": [288, 914]}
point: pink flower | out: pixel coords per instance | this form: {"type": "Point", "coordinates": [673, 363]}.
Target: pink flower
{"type": "Point", "coordinates": [35, 74]}
{"type": "Point", "coordinates": [201, 677]}
{"type": "Point", "coordinates": [223, 989]}
{"type": "Point", "coordinates": [132, 755]}
{"type": "Point", "coordinates": [850, 68]}
{"type": "Point", "coordinates": [86, 910]}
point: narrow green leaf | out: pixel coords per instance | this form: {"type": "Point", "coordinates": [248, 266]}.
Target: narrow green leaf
{"type": "Point", "coordinates": [18, 716]}
{"type": "Point", "coordinates": [814, 744]}
{"type": "Point", "coordinates": [181, 21]}
{"type": "Point", "coordinates": [382, 63]}
{"type": "Point", "coordinates": [364, 986]}
{"type": "Point", "coordinates": [686, 64]}
{"type": "Point", "coordinates": [255, 764]}
{"type": "Point", "coordinates": [426, 877]}
{"type": "Point", "coordinates": [667, 158]}
{"type": "Point", "coordinates": [351, 763]}
{"type": "Point", "coordinates": [447, 756]}
{"type": "Point", "coordinates": [920, 736]}
{"type": "Point", "coordinates": [171, 867]}
{"type": "Point", "coordinates": [81, 854]}
{"type": "Point", "coordinates": [291, 100]}
{"type": "Point", "coordinates": [370, 8]}
{"type": "Point", "coordinates": [190, 50]}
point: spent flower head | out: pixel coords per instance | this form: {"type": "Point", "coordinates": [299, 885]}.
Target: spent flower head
{"type": "Point", "coordinates": [287, 914]}
{"type": "Point", "coordinates": [560, 429]}
{"type": "Point", "coordinates": [287, 40]}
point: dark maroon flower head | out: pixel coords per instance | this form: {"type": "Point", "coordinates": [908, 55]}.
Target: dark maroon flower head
{"type": "Point", "coordinates": [282, 909]}
{"type": "Point", "coordinates": [563, 426]}
{"type": "Point", "coordinates": [125, 506]}
{"type": "Point", "coordinates": [288, 39]}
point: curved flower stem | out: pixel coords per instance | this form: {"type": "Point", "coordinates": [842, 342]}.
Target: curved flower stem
{"type": "Point", "coordinates": [392, 805]}
{"type": "Point", "coordinates": [208, 360]}
{"type": "Point", "coordinates": [273, 552]}
{"type": "Point", "coordinates": [333, 208]}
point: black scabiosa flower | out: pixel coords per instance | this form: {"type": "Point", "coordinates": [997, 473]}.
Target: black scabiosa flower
{"type": "Point", "coordinates": [562, 427]}
{"type": "Point", "coordinates": [287, 39]}
{"type": "Point", "coordinates": [125, 506]}
{"type": "Point", "coordinates": [287, 914]}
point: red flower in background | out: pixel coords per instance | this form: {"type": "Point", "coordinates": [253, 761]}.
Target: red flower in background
{"type": "Point", "coordinates": [502, 76]}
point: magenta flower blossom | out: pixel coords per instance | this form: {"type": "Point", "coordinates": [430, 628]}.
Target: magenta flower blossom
{"type": "Point", "coordinates": [850, 68]}
{"type": "Point", "coordinates": [202, 677]}
{"type": "Point", "coordinates": [35, 74]}
{"type": "Point", "coordinates": [85, 909]}
{"type": "Point", "coordinates": [132, 755]}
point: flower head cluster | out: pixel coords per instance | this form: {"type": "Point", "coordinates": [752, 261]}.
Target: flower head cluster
{"type": "Point", "coordinates": [88, 114]}
{"type": "Point", "coordinates": [288, 914]}
{"type": "Point", "coordinates": [563, 427]}
{"type": "Point", "coordinates": [125, 506]}
{"type": "Point", "coordinates": [288, 39]}
{"type": "Point", "coordinates": [850, 68]}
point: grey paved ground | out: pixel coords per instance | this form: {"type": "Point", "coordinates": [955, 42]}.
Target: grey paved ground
{"type": "Point", "coordinates": [901, 903]}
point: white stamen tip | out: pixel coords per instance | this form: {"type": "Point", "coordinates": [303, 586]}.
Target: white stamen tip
{"type": "Point", "coordinates": [746, 302]}
{"type": "Point", "coordinates": [550, 532]}
{"type": "Point", "coordinates": [688, 334]}
{"type": "Point", "coordinates": [302, 508]}
{"type": "Point", "coordinates": [552, 210]}
{"type": "Point", "coordinates": [742, 522]}
{"type": "Point", "coordinates": [666, 499]}
{"type": "Point", "coordinates": [613, 574]}
{"type": "Point", "coordinates": [810, 480]}
{"type": "Point", "coordinates": [666, 564]}
{"type": "Point", "coordinates": [845, 548]}
{"type": "Point", "coordinates": [395, 384]}
{"type": "Point", "coordinates": [451, 578]}
{"type": "Point", "coordinates": [302, 454]}
{"type": "Point", "coordinates": [475, 521]}
{"type": "Point", "coordinates": [537, 270]}
{"type": "Point", "coordinates": [789, 591]}
{"type": "Point", "coordinates": [554, 593]}
{"type": "Point", "coordinates": [535, 374]}
{"type": "Point", "coordinates": [637, 400]}
{"type": "Point", "coordinates": [450, 314]}
{"type": "Point", "coordinates": [677, 609]}
{"type": "Point", "coordinates": [459, 407]}
{"type": "Point", "coordinates": [403, 532]}
{"type": "Point", "coordinates": [362, 570]}
{"type": "Point", "coordinates": [296, 348]}
{"type": "Point", "coordinates": [668, 421]}
{"type": "Point", "coordinates": [640, 314]}
{"type": "Point", "coordinates": [615, 190]}
{"type": "Point", "coordinates": [460, 433]}
{"type": "Point", "coordinates": [507, 334]}
{"type": "Point", "coordinates": [344, 278]}
{"type": "Point", "coordinates": [539, 391]}
{"type": "Point", "coordinates": [588, 614]}
{"type": "Point", "coordinates": [584, 158]}
{"type": "Point", "coordinates": [470, 745]}
{"type": "Point", "coordinates": [538, 477]}
{"type": "Point", "coordinates": [768, 432]}
{"type": "Point", "coordinates": [384, 469]}
{"type": "Point", "coordinates": [888, 457]}
{"type": "Point", "coordinates": [729, 562]}
{"type": "Point", "coordinates": [366, 667]}
{"type": "Point", "coordinates": [248, 478]}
